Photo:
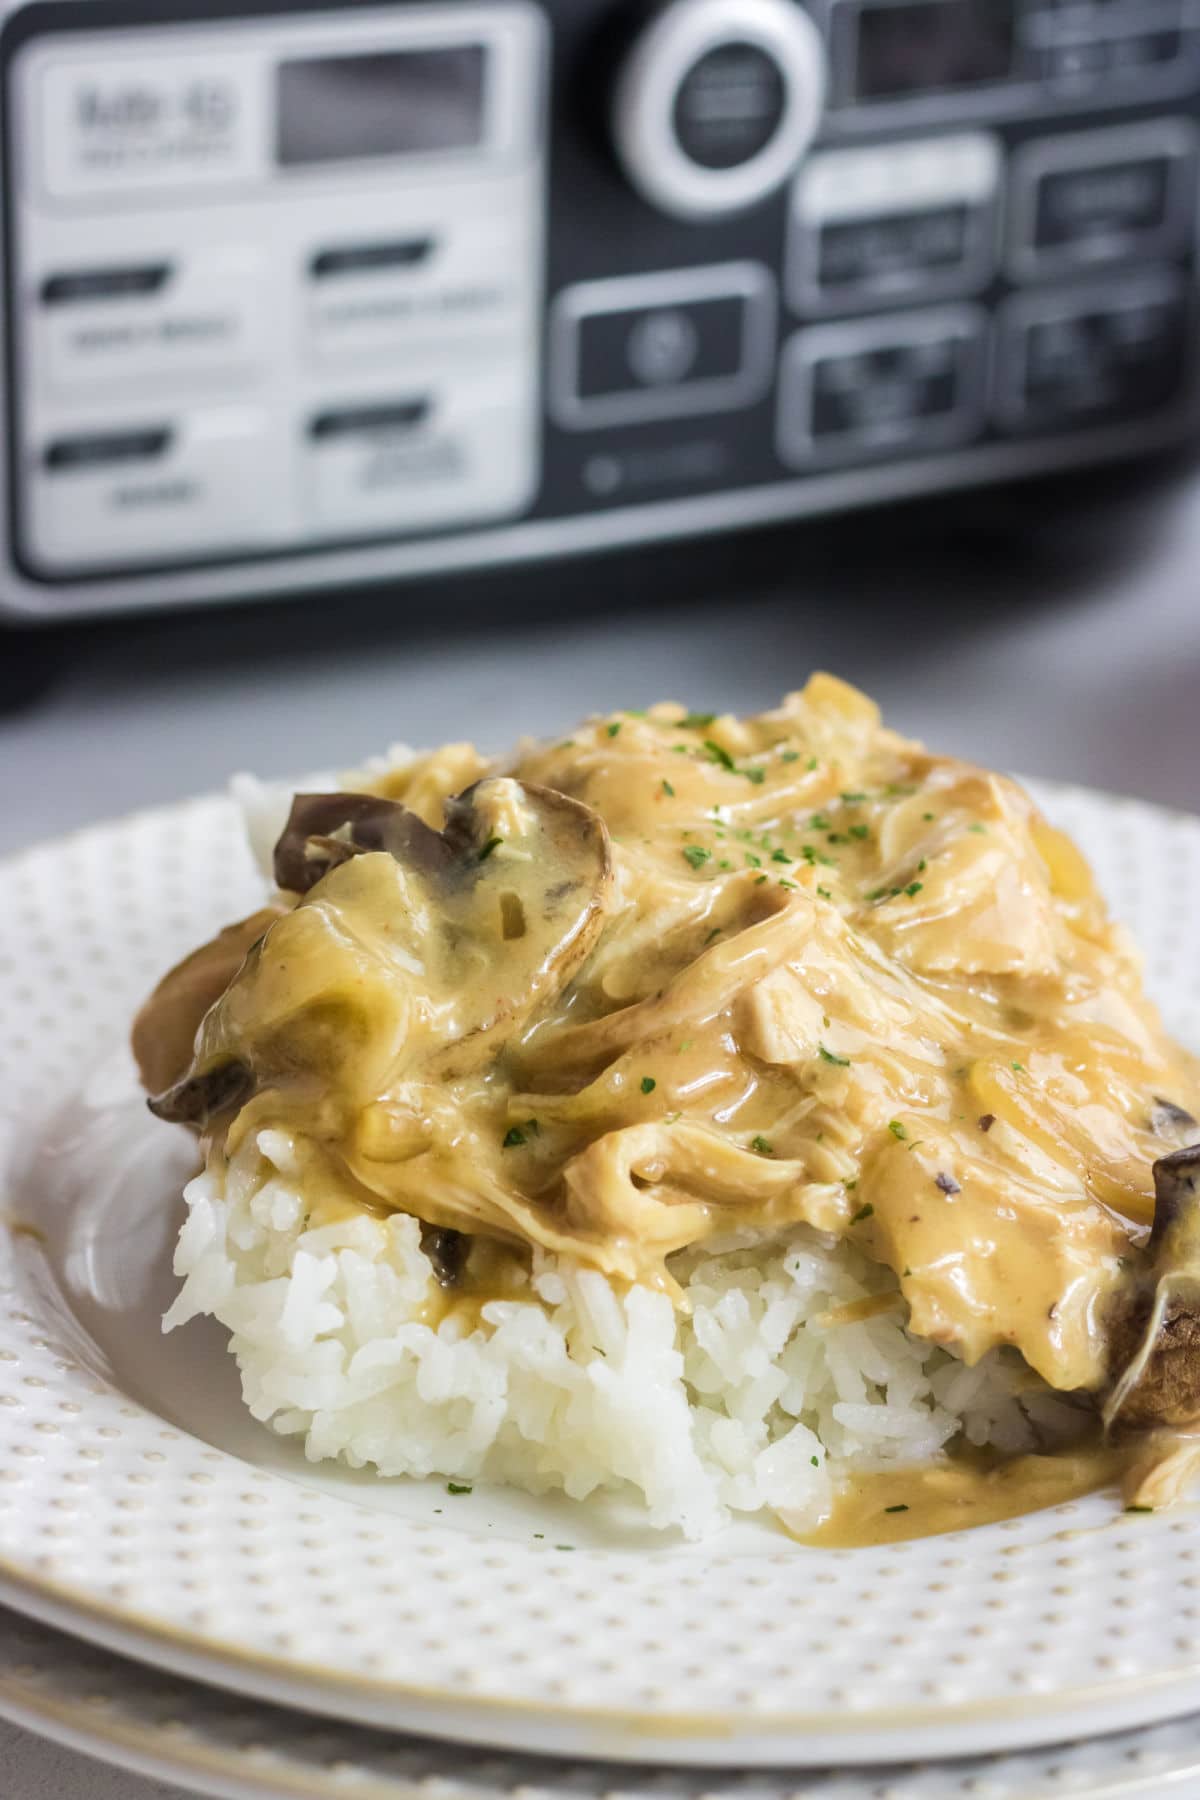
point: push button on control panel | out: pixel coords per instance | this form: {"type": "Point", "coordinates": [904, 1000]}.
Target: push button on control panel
{"type": "Point", "coordinates": [658, 346]}
{"type": "Point", "coordinates": [882, 387]}
{"type": "Point", "coordinates": [1079, 358]}
{"type": "Point", "coordinates": [1102, 196]}
{"type": "Point", "coordinates": [900, 219]}
{"type": "Point", "coordinates": [132, 322]}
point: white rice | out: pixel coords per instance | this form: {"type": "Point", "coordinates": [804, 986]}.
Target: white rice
{"type": "Point", "coordinates": [758, 1398]}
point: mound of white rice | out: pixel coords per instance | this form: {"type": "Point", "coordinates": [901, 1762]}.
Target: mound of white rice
{"type": "Point", "coordinates": [761, 1397]}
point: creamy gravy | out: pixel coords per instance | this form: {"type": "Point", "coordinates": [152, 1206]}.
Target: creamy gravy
{"type": "Point", "coordinates": [890, 1507]}
{"type": "Point", "coordinates": [797, 969]}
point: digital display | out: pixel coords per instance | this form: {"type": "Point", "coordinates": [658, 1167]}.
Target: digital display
{"type": "Point", "coordinates": [395, 103]}
{"type": "Point", "coordinates": [933, 46]}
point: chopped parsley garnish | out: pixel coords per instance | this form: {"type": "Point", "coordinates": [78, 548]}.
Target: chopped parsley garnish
{"type": "Point", "coordinates": [812, 856]}
{"type": "Point", "coordinates": [780, 856]}
{"type": "Point", "coordinates": [724, 863]}
{"type": "Point", "coordinates": [667, 788]}
{"type": "Point", "coordinates": [824, 893]}
{"type": "Point", "coordinates": [819, 822]}
{"type": "Point", "coordinates": [763, 1147]}
{"type": "Point", "coordinates": [1019, 1067]}
{"type": "Point", "coordinates": [757, 776]}
{"type": "Point", "coordinates": [459, 1487]}
{"type": "Point", "coordinates": [614, 728]}
{"type": "Point", "coordinates": [697, 855]}
{"type": "Point", "coordinates": [812, 764]}
{"type": "Point", "coordinates": [752, 861]}
{"type": "Point", "coordinates": [487, 849]}
{"type": "Point", "coordinates": [790, 756]}
{"type": "Point", "coordinates": [564, 1546]}
{"type": "Point", "coordinates": [785, 883]}
{"type": "Point", "coordinates": [1145, 1509]}
{"type": "Point", "coordinates": [853, 799]}
{"type": "Point", "coordinates": [922, 866]}
{"type": "Point", "coordinates": [897, 1130]}
{"type": "Point", "coordinates": [714, 933]}
{"type": "Point", "coordinates": [860, 832]}
{"type": "Point", "coordinates": [718, 755]}
{"type": "Point", "coordinates": [697, 721]}
{"type": "Point", "coordinates": [815, 1461]}
{"type": "Point", "coordinates": [892, 1509]}
{"type": "Point", "coordinates": [843, 1062]}
{"type": "Point", "coordinates": [513, 1137]}
{"type": "Point", "coordinates": [864, 1212]}
{"type": "Point", "coordinates": [648, 1084]}
{"type": "Point", "coordinates": [928, 817]}
{"type": "Point", "coordinates": [759, 879]}
{"type": "Point", "coordinates": [914, 887]}
{"type": "Point", "coordinates": [979, 829]}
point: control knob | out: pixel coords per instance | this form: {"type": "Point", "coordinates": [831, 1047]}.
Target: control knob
{"type": "Point", "coordinates": [717, 102]}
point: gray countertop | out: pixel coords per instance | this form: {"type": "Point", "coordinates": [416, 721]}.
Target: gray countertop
{"type": "Point", "coordinates": [1055, 629]}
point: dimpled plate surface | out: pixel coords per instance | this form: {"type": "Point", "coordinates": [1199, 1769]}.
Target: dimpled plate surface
{"type": "Point", "coordinates": [244, 1750]}
{"type": "Point", "coordinates": [140, 1508]}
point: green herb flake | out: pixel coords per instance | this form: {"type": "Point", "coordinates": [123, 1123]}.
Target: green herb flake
{"type": "Point", "coordinates": [897, 1130]}
{"type": "Point", "coordinates": [785, 883]}
{"type": "Point", "coordinates": [613, 728]}
{"type": "Point", "coordinates": [763, 1147]}
{"type": "Point", "coordinates": [861, 832]}
{"type": "Point", "coordinates": [714, 933]}
{"type": "Point", "coordinates": [842, 1062]}
{"type": "Point", "coordinates": [780, 856]}
{"type": "Point", "coordinates": [757, 776]}
{"type": "Point", "coordinates": [1139, 1509]}
{"type": "Point", "coordinates": [864, 1212]}
{"type": "Point", "coordinates": [819, 822]}
{"type": "Point", "coordinates": [815, 1461]}
{"type": "Point", "coordinates": [668, 789]}
{"type": "Point", "coordinates": [789, 756]}
{"type": "Point", "coordinates": [929, 817]}
{"type": "Point", "coordinates": [913, 888]}
{"type": "Point", "coordinates": [539, 1534]}
{"type": "Point", "coordinates": [979, 830]}
{"type": "Point", "coordinates": [812, 764]}
{"type": "Point", "coordinates": [824, 893]}
{"type": "Point", "coordinates": [513, 1137]}
{"type": "Point", "coordinates": [718, 755]}
{"type": "Point", "coordinates": [853, 799]}
{"type": "Point", "coordinates": [564, 1546]}
{"type": "Point", "coordinates": [687, 1043]}
{"type": "Point", "coordinates": [696, 721]}
{"type": "Point", "coordinates": [1019, 1067]}
{"type": "Point", "coordinates": [459, 1487]}
{"type": "Point", "coordinates": [489, 847]}
{"type": "Point", "coordinates": [648, 1084]}
{"type": "Point", "coordinates": [697, 855]}
{"type": "Point", "coordinates": [752, 861]}
{"type": "Point", "coordinates": [922, 866]}
{"type": "Point", "coordinates": [895, 1509]}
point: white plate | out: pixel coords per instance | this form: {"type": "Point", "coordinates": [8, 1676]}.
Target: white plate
{"type": "Point", "coordinates": [160, 1726]}
{"type": "Point", "coordinates": [141, 1508]}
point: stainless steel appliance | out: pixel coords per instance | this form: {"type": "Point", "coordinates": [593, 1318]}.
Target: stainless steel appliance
{"type": "Point", "coordinates": [297, 296]}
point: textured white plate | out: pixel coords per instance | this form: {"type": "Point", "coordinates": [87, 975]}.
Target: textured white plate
{"type": "Point", "coordinates": [243, 1750]}
{"type": "Point", "coordinates": [141, 1508]}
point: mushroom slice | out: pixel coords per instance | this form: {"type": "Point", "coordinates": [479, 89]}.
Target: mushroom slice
{"type": "Point", "coordinates": [1159, 1383]}
{"type": "Point", "coordinates": [414, 957]}
{"type": "Point", "coordinates": [164, 1032]}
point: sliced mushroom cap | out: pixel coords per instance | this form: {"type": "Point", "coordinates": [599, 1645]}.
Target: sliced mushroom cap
{"type": "Point", "coordinates": [1158, 1341]}
{"type": "Point", "coordinates": [164, 1032]}
{"type": "Point", "coordinates": [417, 953]}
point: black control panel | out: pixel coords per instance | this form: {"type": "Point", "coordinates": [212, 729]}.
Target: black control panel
{"type": "Point", "coordinates": [298, 296]}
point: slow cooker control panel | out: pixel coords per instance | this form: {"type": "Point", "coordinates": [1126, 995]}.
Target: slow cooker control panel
{"type": "Point", "coordinates": [388, 287]}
